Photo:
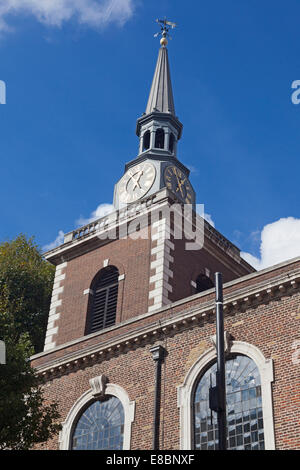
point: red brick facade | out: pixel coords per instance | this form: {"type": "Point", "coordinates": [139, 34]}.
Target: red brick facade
{"type": "Point", "coordinates": [131, 257]}
{"type": "Point", "coordinates": [261, 309]}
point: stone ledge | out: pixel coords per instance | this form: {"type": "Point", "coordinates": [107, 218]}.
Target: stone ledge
{"type": "Point", "coordinates": [183, 319]}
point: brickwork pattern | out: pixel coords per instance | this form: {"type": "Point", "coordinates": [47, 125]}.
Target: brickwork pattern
{"type": "Point", "coordinates": [131, 257]}
{"type": "Point", "coordinates": [271, 325]}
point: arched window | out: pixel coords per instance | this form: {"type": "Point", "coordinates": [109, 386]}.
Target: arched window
{"type": "Point", "coordinates": [159, 139]}
{"type": "Point", "coordinates": [146, 140]}
{"type": "Point", "coordinates": [101, 418]}
{"type": "Point", "coordinates": [171, 143]}
{"type": "Point", "coordinates": [203, 283]}
{"type": "Point", "coordinates": [100, 426]}
{"type": "Point", "coordinates": [245, 427]}
{"type": "Point", "coordinates": [103, 301]}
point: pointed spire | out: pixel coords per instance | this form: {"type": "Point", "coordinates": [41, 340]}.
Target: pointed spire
{"type": "Point", "coordinates": [161, 94]}
{"type": "Point", "coordinates": [160, 108]}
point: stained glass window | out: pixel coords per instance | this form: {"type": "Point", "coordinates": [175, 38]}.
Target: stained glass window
{"type": "Point", "coordinates": [245, 429]}
{"type": "Point", "coordinates": [101, 426]}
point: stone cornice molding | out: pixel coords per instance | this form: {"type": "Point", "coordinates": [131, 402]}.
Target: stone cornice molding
{"type": "Point", "coordinates": [285, 284]}
{"type": "Point", "coordinates": [106, 229]}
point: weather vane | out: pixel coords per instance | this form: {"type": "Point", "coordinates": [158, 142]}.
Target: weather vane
{"type": "Point", "coordinates": [165, 26]}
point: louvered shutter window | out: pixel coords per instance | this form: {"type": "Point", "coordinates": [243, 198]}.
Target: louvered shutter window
{"type": "Point", "coordinates": [203, 283]}
{"type": "Point", "coordinates": [104, 300]}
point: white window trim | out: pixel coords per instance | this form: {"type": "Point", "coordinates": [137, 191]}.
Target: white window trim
{"type": "Point", "coordinates": [110, 389]}
{"type": "Point", "coordinates": [185, 391]}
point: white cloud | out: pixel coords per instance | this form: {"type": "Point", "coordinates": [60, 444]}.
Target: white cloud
{"type": "Point", "coordinates": [208, 219]}
{"type": "Point", "coordinates": [58, 241]}
{"type": "Point", "coordinates": [93, 13]}
{"type": "Point", "coordinates": [101, 211]}
{"type": "Point", "coordinates": [280, 241]}
{"type": "Point", "coordinates": [192, 169]}
{"type": "Point", "coordinates": [204, 215]}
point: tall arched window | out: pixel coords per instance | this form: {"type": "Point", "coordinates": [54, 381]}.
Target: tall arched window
{"type": "Point", "coordinates": [203, 283]}
{"type": "Point", "coordinates": [103, 301]}
{"type": "Point", "coordinates": [100, 426]}
{"type": "Point", "coordinates": [171, 142]}
{"type": "Point", "coordinates": [159, 139]}
{"type": "Point", "coordinates": [245, 427]}
{"type": "Point", "coordinates": [146, 140]}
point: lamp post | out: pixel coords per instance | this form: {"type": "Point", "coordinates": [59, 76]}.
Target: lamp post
{"type": "Point", "coordinates": [217, 394]}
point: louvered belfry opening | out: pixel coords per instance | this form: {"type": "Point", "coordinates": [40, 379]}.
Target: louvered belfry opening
{"type": "Point", "coordinates": [159, 139]}
{"type": "Point", "coordinates": [203, 283]}
{"type": "Point", "coordinates": [103, 305]}
{"type": "Point", "coordinates": [146, 140]}
{"type": "Point", "coordinates": [171, 142]}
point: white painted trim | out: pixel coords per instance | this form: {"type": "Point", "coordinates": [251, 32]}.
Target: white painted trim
{"type": "Point", "coordinates": [161, 236]}
{"type": "Point", "coordinates": [60, 277]}
{"type": "Point", "coordinates": [88, 291]}
{"type": "Point", "coordinates": [49, 346]}
{"type": "Point", "coordinates": [105, 262]}
{"type": "Point", "coordinates": [55, 303]}
{"type": "Point", "coordinates": [110, 389]}
{"type": "Point", "coordinates": [185, 391]}
{"type": "Point", "coordinates": [159, 277]}
{"type": "Point", "coordinates": [51, 331]}
{"type": "Point", "coordinates": [161, 264]}
{"type": "Point", "coordinates": [159, 248]}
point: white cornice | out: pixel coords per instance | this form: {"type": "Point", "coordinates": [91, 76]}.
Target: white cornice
{"type": "Point", "coordinates": [234, 302]}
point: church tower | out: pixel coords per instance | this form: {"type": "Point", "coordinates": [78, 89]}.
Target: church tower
{"type": "Point", "coordinates": [134, 261]}
{"type": "Point", "coordinates": [159, 130]}
{"type": "Point", "coordinates": [130, 343]}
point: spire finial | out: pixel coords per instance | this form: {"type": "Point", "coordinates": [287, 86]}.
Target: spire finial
{"type": "Point", "coordinates": [165, 27]}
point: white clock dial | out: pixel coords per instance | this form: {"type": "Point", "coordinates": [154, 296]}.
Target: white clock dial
{"type": "Point", "coordinates": [136, 182]}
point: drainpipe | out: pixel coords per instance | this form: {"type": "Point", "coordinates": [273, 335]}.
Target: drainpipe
{"type": "Point", "coordinates": [157, 356]}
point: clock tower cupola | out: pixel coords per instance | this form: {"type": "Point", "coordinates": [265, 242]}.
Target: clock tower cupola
{"type": "Point", "coordinates": [159, 131]}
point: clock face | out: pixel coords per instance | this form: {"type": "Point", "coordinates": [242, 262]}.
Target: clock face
{"type": "Point", "coordinates": [136, 182]}
{"type": "Point", "coordinates": [178, 183]}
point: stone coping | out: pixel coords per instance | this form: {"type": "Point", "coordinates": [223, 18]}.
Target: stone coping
{"type": "Point", "coordinates": [233, 301]}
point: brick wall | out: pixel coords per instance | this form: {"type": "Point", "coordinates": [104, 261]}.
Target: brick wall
{"type": "Point", "coordinates": [131, 257]}
{"type": "Point", "coordinates": [135, 259]}
{"type": "Point", "coordinates": [272, 325]}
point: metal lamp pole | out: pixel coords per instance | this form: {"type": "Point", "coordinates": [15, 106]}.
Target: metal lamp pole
{"type": "Point", "coordinates": [221, 382]}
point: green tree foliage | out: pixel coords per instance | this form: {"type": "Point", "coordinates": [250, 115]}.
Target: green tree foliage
{"type": "Point", "coordinates": [25, 290]}
{"type": "Point", "coordinates": [27, 280]}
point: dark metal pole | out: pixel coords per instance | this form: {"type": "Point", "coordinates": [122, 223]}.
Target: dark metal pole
{"type": "Point", "coordinates": [157, 356]}
{"type": "Point", "coordinates": [221, 383]}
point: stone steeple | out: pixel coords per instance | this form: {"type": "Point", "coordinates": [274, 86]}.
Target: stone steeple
{"type": "Point", "coordinates": [160, 110]}
{"type": "Point", "coordinates": [161, 94]}
{"type": "Point", "coordinates": [159, 129]}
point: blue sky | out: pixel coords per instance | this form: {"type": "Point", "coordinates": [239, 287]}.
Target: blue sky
{"type": "Point", "coordinates": [78, 76]}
